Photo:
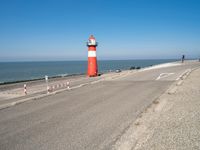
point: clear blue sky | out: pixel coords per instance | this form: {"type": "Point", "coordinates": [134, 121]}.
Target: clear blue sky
{"type": "Point", "coordinates": [125, 29]}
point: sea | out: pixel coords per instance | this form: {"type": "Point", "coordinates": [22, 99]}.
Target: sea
{"type": "Point", "coordinates": [20, 71]}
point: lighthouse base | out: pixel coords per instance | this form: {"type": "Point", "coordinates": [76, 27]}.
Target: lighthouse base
{"type": "Point", "coordinates": [92, 75]}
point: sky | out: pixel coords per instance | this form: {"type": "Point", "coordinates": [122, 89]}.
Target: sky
{"type": "Point", "coordinates": [43, 30]}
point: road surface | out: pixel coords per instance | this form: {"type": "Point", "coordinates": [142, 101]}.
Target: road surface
{"type": "Point", "coordinates": [90, 117]}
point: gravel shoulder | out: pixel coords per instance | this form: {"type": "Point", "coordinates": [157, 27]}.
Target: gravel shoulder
{"type": "Point", "coordinates": [171, 122]}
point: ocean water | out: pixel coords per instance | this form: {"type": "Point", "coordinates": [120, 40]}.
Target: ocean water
{"type": "Point", "coordinates": [17, 71]}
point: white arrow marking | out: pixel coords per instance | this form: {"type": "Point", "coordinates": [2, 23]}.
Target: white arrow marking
{"type": "Point", "coordinates": [163, 75]}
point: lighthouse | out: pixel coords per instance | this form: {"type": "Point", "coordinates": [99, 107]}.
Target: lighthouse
{"type": "Point", "coordinates": [92, 58]}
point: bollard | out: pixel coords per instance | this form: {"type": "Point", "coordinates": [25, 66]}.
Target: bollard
{"type": "Point", "coordinates": [67, 85]}
{"type": "Point", "coordinates": [25, 90]}
{"type": "Point", "coordinates": [47, 83]}
{"type": "Point", "coordinates": [48, 89]}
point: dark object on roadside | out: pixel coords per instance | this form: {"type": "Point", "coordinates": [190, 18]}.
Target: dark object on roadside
{"type": "Point", "coordinates": [199, 59]}
{"type": "Point", "coordinates": [118, 71]}
{"type": "Point", "coordinates": [132, 68]}
{"type": "Point", "coordinates": [183, 58]}
{"type": "Point", "coordinates": [138, 67]}
{"type": "Point", "coordinates": [99, 74]}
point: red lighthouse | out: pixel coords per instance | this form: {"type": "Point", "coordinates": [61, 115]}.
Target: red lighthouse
{"type": "Point", "coordinates": [92, 59]}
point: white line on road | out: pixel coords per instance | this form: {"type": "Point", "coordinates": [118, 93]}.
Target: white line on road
{"type": "Point", "coordinates": [187, 70]}
{"type": "Point", "coordinates": [164, 75]}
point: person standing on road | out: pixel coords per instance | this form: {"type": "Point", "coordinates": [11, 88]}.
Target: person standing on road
{"type": "Point", "coordinates": [183, 58]}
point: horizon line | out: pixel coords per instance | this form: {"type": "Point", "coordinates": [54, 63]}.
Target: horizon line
{"type": "Point", "coordinates": [97, 60]}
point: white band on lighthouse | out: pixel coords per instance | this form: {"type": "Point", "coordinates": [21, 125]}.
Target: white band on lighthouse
{"type": "Point", "coordinates": [91, 53]}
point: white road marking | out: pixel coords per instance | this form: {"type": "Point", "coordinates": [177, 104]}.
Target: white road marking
{"type": "Point", "coordinates": [187, 70]}
{"type": "Point", "coordinates": [163, 75]}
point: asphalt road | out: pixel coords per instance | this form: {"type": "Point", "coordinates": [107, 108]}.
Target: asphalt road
{"type": "Point", "coordinates": [90, 117]}
{"type": "Point", "coordinates": [12, 92]}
